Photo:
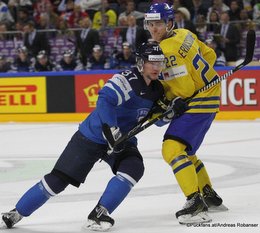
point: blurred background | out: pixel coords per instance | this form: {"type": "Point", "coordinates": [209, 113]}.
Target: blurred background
{"type": "Point", "coordinates": [59, 35]}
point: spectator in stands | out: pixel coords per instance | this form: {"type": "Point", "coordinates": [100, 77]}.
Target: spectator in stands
{"type": "Point", "coordinates": [256, 10]}
{"type": "Point", "coordinates": [230, 38]}
{"type": "Point", "coordinates": [221, 60]}
{"type": "Point", "coordinates": [125, 59]}
{"type": "Point", "coordinates": [175, 4]}
{"type": "Point", "coordinates": [198, 10]}
{"type": "Point", "coordinates": [44, 24]}
{"type": "Point", "coordinates": [246, 22]}
{"type": "Point", "coordinates": [234, 12]}
{"type": "Point", "coordinates": [15, 5]}
{"type": "Point", "coordinates": [86, 39]}
{"type": "Point", "coordinates": [35, 41]}
{"type": "Point", "coordinates": [188, 4]}
{"type": "Point", "coordinates": [201, 27]}
{"type": "Point", "coordinates": [182, 19]}
{"type": "Point", "coordinates": [111, 40]}
{"type": "Point", "coordinates": [40, 7]}
{"type": "Point", "coordinates": [5, 66]}
{"type": "Point", "coordinates": [43, 62]}
{"type": "Point", "coordinates": [19, 27]}
{"type": "Point", "coordinates": [213, 22]}
{"type": "Point", "coordinates": [5, 15]}
{"type": "Point", "coordinates": [130, 10]}
{"type": "Point", "coordinates": [134, 34]}
{"type": "Point", "coordinates": [3, 32]}
{"type": "Point", "coordinates": [53, 16]}
{"type": "Point", "coordinates": [65, 5]}
{"type": "Point", "coordinates": [90, 6]}
{"type": "Point", "coordinates": [23, 15]}
{"type": "Point", "coordinates": [3, 29]}
{"type": "Point", "coordinates": [218, 6]}
{"type": "Point", "coordinates": [110, 13]}
{"type": "Point", "coordinates": [76, 16]}
{"type": "Point", "coordinates": [69, 62]}
{"type": "Point", "coordinates": [97, 61]}
{"type": "Point", "coordinates": [121, 2]}
{"type": "Point", "coordinates": [22, 62]}
{"type": "Point", "coordinates": [207, 3]}
{"type": "Point", "coordinates": [105, 22]}
{"type": "Point", "coordinates": [240, 2]}
{"type": "Point", "coordinates": [66, 9]}
{"type": "Point", "coordinates": [248, 6]}
{"type": "Point", "coordinates": [62, 25]}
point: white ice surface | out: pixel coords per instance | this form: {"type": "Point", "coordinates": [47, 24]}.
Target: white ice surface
{"type": "Point", "coordinates": [230, 152]}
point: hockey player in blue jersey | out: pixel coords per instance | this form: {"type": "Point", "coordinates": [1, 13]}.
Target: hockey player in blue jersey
{"type": "Point", "coordinates": [125, 99]}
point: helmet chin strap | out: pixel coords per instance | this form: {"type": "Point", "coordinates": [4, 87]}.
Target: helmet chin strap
{"type": "Point", "coordinates": [140, 65]}
{"type": "Point", "coordinates": [169, 31]}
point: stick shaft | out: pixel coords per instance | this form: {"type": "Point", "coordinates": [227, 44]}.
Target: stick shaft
{"type": "Point", "coordinates": [250, 45]}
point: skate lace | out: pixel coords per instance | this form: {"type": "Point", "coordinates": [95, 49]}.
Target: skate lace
{"type": "Point", "coordinates": [189, 202]}
{"type": "Point", "coordinates": [101, 211]}
{"type": "Point", "coordinates": [13, 215]}
{"type": "Point", "coordinates": [209, 192]}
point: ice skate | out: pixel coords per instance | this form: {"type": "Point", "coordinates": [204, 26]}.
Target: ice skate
{"type": "Point", "coordinates": [10, 218]}
{"type": "Point", "coordinates": [194, 210]}
{"type": "Point", "coordinates": [213, 200]}
{"type": "Point", "coordinates": [98, 220]}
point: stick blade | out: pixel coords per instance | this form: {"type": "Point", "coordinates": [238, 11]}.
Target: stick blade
{"type": "Point", "coordinates": [250, 46]}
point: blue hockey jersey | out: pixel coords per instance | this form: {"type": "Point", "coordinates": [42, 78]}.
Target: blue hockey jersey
{"type": "Point", "coordinates": [123, 101]}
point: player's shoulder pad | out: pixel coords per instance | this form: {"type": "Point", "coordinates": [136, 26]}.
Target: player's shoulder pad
{"type": "Point", "coordinates": [121, 82]}
{"type": "Point", "coordinates": [129, 75]}
{"type": "Point", "coordinates": [132, 76]}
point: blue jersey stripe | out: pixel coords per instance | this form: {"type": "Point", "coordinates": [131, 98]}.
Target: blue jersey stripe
{"type": "Point", "coordinates": [199, 167]}
{"type": "Point", "coordinates": [177, 159]}
{"type": "Point", "coordinates": [204, 106]}
{"type": "Point", "coordinates": [182, 166]}
{"type": "Point", "coordinates": [205, 99]}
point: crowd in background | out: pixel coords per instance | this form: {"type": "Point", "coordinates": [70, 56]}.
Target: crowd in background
{"type": "Point", "coordinates": [103, 34]}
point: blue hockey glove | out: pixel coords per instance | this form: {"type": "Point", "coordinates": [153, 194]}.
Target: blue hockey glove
{"type": "Point", "coordinates": [178, 107]}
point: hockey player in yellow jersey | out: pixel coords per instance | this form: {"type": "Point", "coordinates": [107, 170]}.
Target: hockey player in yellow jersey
{"type": "Point", "coordinates": [189, 67]}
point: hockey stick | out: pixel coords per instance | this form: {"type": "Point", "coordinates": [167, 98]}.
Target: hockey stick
{"type": "Point", "coordinates": [250, 45]}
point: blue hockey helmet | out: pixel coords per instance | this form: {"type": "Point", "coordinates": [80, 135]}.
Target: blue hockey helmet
{"type": "Point", "coordinates": [159, 11]}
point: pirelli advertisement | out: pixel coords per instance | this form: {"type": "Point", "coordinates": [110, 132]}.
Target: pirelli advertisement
{"type": "Point", "coordinates": [23, 95]}
{"type": "Point", "coordinates": [76, 95]}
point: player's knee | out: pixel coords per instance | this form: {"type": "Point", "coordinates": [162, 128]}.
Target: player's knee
{"type": "Point", "coordinates": [172, 149]}
{"type": "Point", "coordinates": [54, 184]}
{"type": "Point", "coordinates": [199, 165]}
{"type": "Point", "coordinates": [133, 167]}
{"type": "Point", "coordinates": [193, 159]}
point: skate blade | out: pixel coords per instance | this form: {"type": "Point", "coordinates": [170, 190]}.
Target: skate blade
{"type": "Point", "coordinates": [201, 217]}
{"type": "Point", "coordinates": [3, 225]}
{"type": "Point", "coordinates": [91, 225]}
{"type": "Point", "coordinates": [214, 209]}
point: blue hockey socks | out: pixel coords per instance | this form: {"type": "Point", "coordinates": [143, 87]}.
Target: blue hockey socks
{"type": "Point", "coordinates": [116, 191]}
{"type": "Point", "coordinates": [34, 198]}
{"type": "Point", "coordinates": [37, 195]}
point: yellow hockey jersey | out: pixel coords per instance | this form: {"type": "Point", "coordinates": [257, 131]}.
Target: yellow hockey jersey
{"type": "Point", "coordinates": [189, 67]}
